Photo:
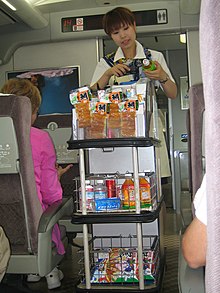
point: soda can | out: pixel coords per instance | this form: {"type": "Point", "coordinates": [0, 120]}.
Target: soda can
{"type": "Point", "coordinates": [111, 188]}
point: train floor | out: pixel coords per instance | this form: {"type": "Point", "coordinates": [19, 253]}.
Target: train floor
{"type": "Point", "coordinates": [69, 266]}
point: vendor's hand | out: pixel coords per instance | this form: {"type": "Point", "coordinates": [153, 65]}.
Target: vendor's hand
{"type": "Point", "coordinates": [157, 74]}
{"type": "Point", "coordinates": [117, 70]}
{"type": "Point", "coordinates": [61, 170]}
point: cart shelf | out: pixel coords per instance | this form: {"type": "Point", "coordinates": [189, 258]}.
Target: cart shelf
{"type": "Point", "coordinates": [105, 288]}
{"type": "Point", "coordinates": [117, 217]}
{"type": "Point", "coordinates": [114, 264]}
{"type": "Point", "coordinates": [113, 142]}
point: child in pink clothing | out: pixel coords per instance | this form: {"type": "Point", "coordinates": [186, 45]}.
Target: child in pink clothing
{"type": "Point", "coordinates": [49, 189]}
{"type": "Point", "coordinates": [46, 172]}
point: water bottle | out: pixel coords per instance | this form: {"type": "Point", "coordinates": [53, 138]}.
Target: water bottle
{"type": "Point", "coordinates": [89, 196]}
{"type": "Point", "coordinates": [100, 190]}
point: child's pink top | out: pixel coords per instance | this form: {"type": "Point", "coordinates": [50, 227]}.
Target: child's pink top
{"type": "Point", "coordinates": [49, 189]}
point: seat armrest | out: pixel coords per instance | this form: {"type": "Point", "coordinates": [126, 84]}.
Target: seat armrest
{"type": "Point", "coordinates": [47, 257]}
{"type": "Point", "coordinates": [54, 213]}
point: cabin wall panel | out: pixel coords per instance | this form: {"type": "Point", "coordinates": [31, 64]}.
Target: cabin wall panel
{"type": "Point", "coordinates": [193, 51]}
{"type": "Point", "coordinates": [77, 52]}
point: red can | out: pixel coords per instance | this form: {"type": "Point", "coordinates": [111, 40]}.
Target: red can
{"type": "Point", "coordinates": [111, 187]}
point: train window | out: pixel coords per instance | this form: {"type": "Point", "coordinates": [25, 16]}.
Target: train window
{"type": "Point", "coordinates": [54, 85]}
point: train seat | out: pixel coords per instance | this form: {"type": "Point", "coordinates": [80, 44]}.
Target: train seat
{"type": "Point", "coordinates": [28, 228]}
{"type": "Point", "coordinates": [59, 126]}
{"type": "Point", "coordinates": [193, 280]}
{"type": "Point", "coordinates": [196, 136]}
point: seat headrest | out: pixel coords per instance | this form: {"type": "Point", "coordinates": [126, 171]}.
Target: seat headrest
{"type": "Point", "coordinates": [8, 147]}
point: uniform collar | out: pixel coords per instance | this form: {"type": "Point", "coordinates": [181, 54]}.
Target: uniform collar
{"type": "Point", "coordinates": [140, 54]}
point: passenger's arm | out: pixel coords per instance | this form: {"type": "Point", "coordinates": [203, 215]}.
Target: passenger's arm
{"type": "Point", "coordinates": [194, 244]}
{"type": "Point", "coordinates": [61, 170]}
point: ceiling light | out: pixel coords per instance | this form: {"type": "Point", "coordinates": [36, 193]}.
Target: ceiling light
{"type": "Point", "coordinates": [28, 13]}
{"type": "Point", "coordinates": [183, 38]}
{"type": "Point", "coordinates": [9, 5]}
{"type": "Point", "coordinates": [46, 2]}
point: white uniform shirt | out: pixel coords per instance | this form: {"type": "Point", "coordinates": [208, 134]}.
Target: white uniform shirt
{"type": "Point", "coordinates": [200, 202]}
{"type": "Point", "coordinates": [102, 65]}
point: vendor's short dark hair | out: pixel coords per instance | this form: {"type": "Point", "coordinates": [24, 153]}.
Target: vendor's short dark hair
{"type": "Point", "coordinates": [117, 17]}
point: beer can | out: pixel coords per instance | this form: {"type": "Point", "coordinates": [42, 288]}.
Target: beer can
{"type": "Point", "coordinates": [111, 188]}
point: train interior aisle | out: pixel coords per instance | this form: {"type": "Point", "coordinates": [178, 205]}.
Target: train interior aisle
{"type": "Point", "coordinates": [60, 42]}
{"type": "Point", "coordinates": [174, 223]}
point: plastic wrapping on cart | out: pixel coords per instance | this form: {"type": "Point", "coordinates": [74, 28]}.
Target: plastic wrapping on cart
{"type": "Point", "coordinates": [107, 204]}
{"type": "Point", "coordinates": [102, 120]}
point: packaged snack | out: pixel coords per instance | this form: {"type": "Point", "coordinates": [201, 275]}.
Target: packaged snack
{"type": "Point", "coordinates": [114, 121]}
{"type": "Point", "coordinates": [107, 204]}
{"type": "Point", "coordinates": [80, 95]}
{"type": "Point", "coordinates": [120, 265]}
{"type": "Point", "coordinates": [128, 124]}
{"type": "Point", "coordinates": [103, 96]}
{"type": "Point", "coordinates": [83, 114]}
{"type": "Point", "coordinates": [83, 96]}
{"type": "Point", "coordinates": [102, 107]}
{"type": "Point", "coordinates": [97, 127]}
{"type": "Point", "coordinates": [131, 105]}
{"type": "Point", "coordinates": [115, 97]}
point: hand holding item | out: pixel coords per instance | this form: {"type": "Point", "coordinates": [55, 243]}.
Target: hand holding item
{"type": "Point", "coordinates": [118, 70]}
{"type": "Point", "coordinates": [157, 74]}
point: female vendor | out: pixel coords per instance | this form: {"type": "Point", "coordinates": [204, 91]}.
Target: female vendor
{"type": "Point", "coordinates": [124, 64]}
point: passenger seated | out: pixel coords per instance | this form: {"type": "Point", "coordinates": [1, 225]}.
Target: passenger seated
{"type": "Point", "coordinates": [194, 242]}
{"type": "Point", "coordinates": [4, 258]}
{"type": "Point", "coordinates": [46, 171]}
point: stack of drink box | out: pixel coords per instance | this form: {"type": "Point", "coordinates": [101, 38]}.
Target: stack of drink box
{"type": "Point", "coordinates": [117, 112]}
